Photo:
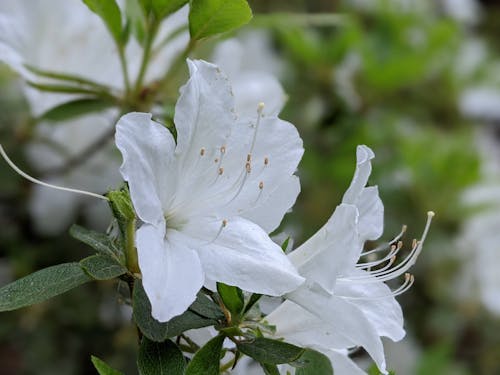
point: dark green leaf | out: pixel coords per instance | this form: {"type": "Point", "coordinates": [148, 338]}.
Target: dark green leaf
{"type": "Point", "coordinates": [110, 13]}
{"type": "Point", "coordinates": [254, 298]}
{"type": "Point", "coordinates": [42, 285]}
{"type": "Point", "coordinates": [66, 77]}
{"type": "Point", "coordinates": [98, 241]}
{"type": "Point", "coordinates": [205, 307]}
{"type": "Point", "coordinates": [68, 89]}
{"type": "Point", "coordinates": [156, 331]}
{"type": "Point", "coordinates": [270, 351]}
{"type": "Point", "coordinates": [373, 370]}
{"type": "Point", "coordinates": [102, 267]}
{"type": "Point", "coordinates": [284, 245]}
{"type": "Point", "coordinates": [211, 17]}
{"type": "Point", "coordinates": [232, 297]}
{"type": "Point", "coordinates": [312, 362]}
{"type": "Point", "coordinates": [206, 360]}
{"type": "Point", "coordinates": [160, 358]}
{"type": "Point", "coordinates": [76, 108]}
{"type": "Point", "coordinates": [137, 20]}
{"type": "Point", "coordinates": [103, 368]}
{"type": "Point", "coordinates": [163, 8]}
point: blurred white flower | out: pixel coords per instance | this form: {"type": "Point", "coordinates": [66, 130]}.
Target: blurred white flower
{"type": "Point", "coordinates": [344, 303]}
{"type": "Point", "coordinates": [251, 65]}
{"type": "Point", "coordinates": [64, 36]}
{"type": "Point", "coordinates": [467, 12]}
{"type": "Point", "coordinates": [343, 78]}
{"type": "Point", "coordinates": [208, 200]}
{"type": "Point", "coordinates": [481, 103]}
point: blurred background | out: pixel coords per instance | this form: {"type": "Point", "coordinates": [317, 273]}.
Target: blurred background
{"type": "Point", "coordinates": [417, 81]}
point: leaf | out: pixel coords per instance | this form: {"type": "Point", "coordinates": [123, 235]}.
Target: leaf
{"type": "Point", "coordinates": [163, 8]}
{"type": "Point", "coordinates": [75, 108]}
{"type": "Point", "coordinates": [42, 285]}
{"type": "Point", "coordinates": [270, 369]}
{"type": "Point", "coordinates": [206, 360]}
{"type": "Point", "coordinates": [103, 368]}
{"type": "Point", "coordinates": [232, 297]}
{"type": "Point", "coordinates": [203, 306]}
{"type": "Point", "coordinates": [98, 241]}
{"type": "Point", "coordinates": [270, 351]}
{"type": "Point", "coordinates": [66, 77]}
{"type": "Point", "coordinates": [110, 13]}
{"type": "Point", "coordinates": [101, 267]}
{"type": "Point", "coordinates": [312, 362]}
{"type": "Point", "coordinates": [210, 17]}
{"type": "Point", "coordinates": [68, 89]}
{"type": "Point", "coordinates": [254, 298]}
{"type": "Point", "coordinates": [156, 331]}
{"type": "Point", "coordinates": [160, 358]}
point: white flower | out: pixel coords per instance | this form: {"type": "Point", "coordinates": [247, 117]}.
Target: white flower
{"type": "Point", "coordinates": [343, 303]}
{"type": "Point", "coordinates": [208, 200]}
{"type": "Point", "coordinates": [251, 65]}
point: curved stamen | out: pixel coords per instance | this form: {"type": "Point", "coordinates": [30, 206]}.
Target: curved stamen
{"type": "Point", "coordinates": [36, 181]}
{"type": "Point", "coordinates": [387, 244]}
{"type": "Point", "coordinates": [407, 284]}
{"type": "Point", "coordinates": [394, 250]}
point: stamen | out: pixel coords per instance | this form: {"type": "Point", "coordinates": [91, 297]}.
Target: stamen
{"type": "Point", "coordinates": [260, 108]}
{"type": "Point", "coordinates": [394, 249]}
{"type": "Point", "coordinates": [223, 149]}
{"type": "Point", "coordinates": [223, 225]}
{"type": "Point", "coordinates": [266, 161]}
{"type": "Point", "coordinates": [34, 180]}
{"type": "Point", "coordinates": [261, 185]}
{"type": "Point", "coordinates": [202, 151]}
{"type": "Point", "coordinates": [221, 171]}
{"type": "Point", "coordinates": [385, 245]}
{"type": "Point", "coordinates": [249, 158]}
{"type": "Point", "coordinates": [248, 167]}
{"type": "Point", "coordinates": [407, 284]}
{"type": "Point", "coordinates": [216, 160]}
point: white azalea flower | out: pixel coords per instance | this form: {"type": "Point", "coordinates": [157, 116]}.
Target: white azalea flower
{"type": "Point", "coordinates": [343, 303]}
{"type": "Point", "coordinates": [208, 200]}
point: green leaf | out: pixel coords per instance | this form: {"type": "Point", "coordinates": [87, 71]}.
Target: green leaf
{"type": "Point", "coordinates": [232, 297]}
{"type": "Point", "coordinates": [102, 267]}
{"type": "Point", "coordinates": [110, 13]}
{"type": "Point", "coordinates": [270, 369]}
{"type": "Point", "coordinates": [163, 8]}
{"type": "Point", "coordinates": [66, 77]}
{"type": "Point", "coordinates": [156, 331]}
{"type": "Point", "coordinates": [270, 351]}
{"type": "Point", "coordinates": [312, 362]}
{"type": "Point", "coordinates": [103, 368]}
{"type": "Point", "coordinates": [211, 17]}
{"type": "Point", "coordinates": [206, 360]}
{"type": "Point", "coordinates": [122, 207]}
{"type": "Point", "coordinates": [205, 307]}
{"type": "Point", "coordinates": [98, 241]}
{"type": "Point", "coordinates": [42, 285]}
{"type": "Point", "coordinates": [157, 358]}
{"type": "Point", "coordinates": [75, 108]}
{"type": "Point", "coordinates": [254, 298]}
{"type": "Point", "coordinates": [69, 89]}
{"type": "Point", "coordinates": [284, 245]}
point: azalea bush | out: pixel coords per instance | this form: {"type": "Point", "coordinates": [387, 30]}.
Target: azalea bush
{"type": "Point", "coordinates": [180, 181]}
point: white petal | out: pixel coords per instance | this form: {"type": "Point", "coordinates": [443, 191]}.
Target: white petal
{"type": "Point", "coordinates": [348, 324]}
{"type": "Point", "coordinates": [332, 251]}
{"type": "Point", "coordinates": [148, 156]}
{"type": "Point", "coordinates": [383, 313]}
{"type": "Point", "coordinates": [371, 214]}
{"type": "Point", "coordinates": [241, 254]}
{"type": "Point", "coordinates": [363, 169]}
{"type": "Point", "coordinates": [171, 272]}
{"type": "Point", "coordinates": [268, 213]}
{"type": "Point", "coordinates": [342, 364]}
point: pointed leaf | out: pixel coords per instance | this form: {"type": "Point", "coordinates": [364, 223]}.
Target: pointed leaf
{"type": "Point", "coordinates": [156, 331]}
{"type": "Point", "coordinates": [206, 361]}
{"type": "Point", "coordinates": [103, 368]}
{"type": "Point", "coordinates": [163, 8]}
{"type": "Point", "coordinates": [312, 362]}
{"type": "Point", "coordinates": [270, 351]}
{"type": "Point", "coordinates": [232, 297]}
{"type": "Point", "coordinates": [42, 285]}
{"type": "Point", "coordinates": [98, 241]}
{"type": "Point", "coordinates": [75, 108]}
{"type": "Point", "coordinates": [157, 358]}
{"type": "Point", "coordinates": [101, 267]}
{"type": "Point", "coordinates": [211, 17]}
{"type": "Point", "coordinates": [270, 369]}
{"type": "Point", "coordinates": [110, 13]}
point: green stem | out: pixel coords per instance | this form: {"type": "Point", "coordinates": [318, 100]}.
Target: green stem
{"type": "Point", "coordinates": [123, 63]}
{"type": "Point", "coordinates": [148, 44]}
{"type": "Point", "coordinates": [130, 250]}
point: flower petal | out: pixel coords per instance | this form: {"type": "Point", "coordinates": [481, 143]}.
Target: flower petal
{"type": "Point", "coordinates": [371, 214]}
{"type": "Point", "coordinates": [342, 364]}
{"type": "Point", "coordinates": [348, 324]}
{"type": "Point", "coordinates": [331, 251]}
{"type": "Point", "coordinates": [171, 272]}
{"type": "Point", "coordinates": [148, 164]}
{"type": "Point", "coordinates": [238, 252]}
{"type": "Point", "coordinates": [383, 313]}
{"type": "Point", "coordinates": [363, 169]}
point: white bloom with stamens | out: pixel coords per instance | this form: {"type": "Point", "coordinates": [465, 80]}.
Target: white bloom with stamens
{"type": "Point", "coordinates": [344, 303]}
{"type": "Point", "coordinates": [208, 200]}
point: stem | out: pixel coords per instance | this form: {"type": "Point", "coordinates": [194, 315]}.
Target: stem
{"type": "Point", "coordinates": [130, 250]}
{"type": "Point", "coordinates": [123, 63]}
{"type": "Point", "coordinates": [146, 55]}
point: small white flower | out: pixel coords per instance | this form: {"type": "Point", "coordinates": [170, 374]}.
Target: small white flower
{"type": "Point", "coordinates": [344, 303]}
{"type": "Point", "coordinates": [208, 200]}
